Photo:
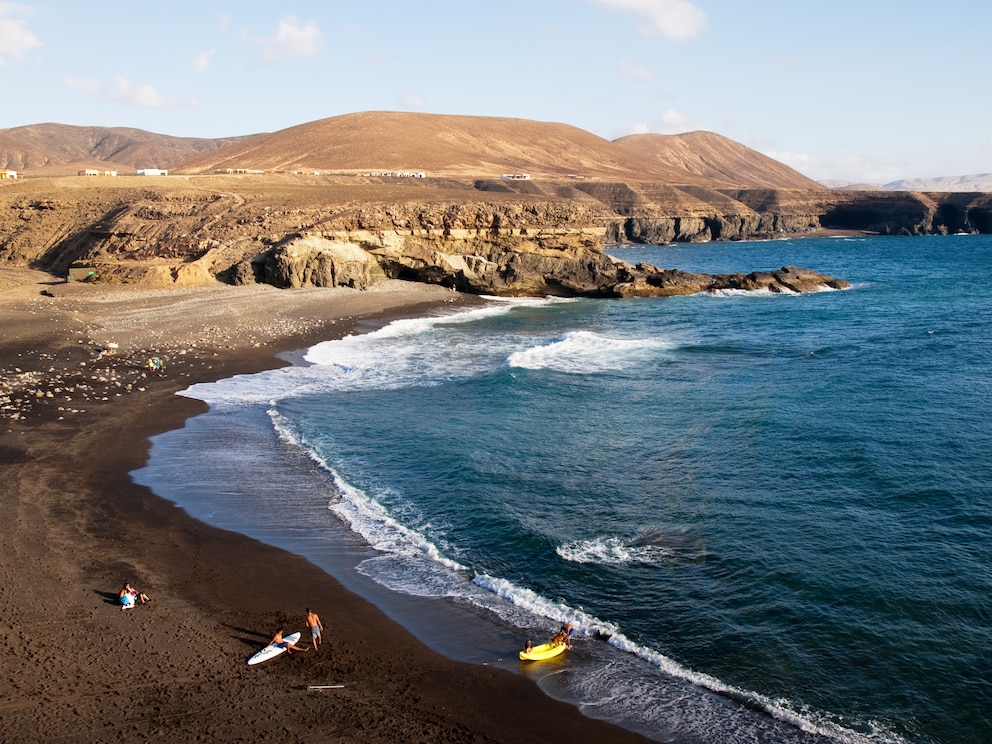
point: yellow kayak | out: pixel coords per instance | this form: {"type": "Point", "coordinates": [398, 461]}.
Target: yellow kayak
{"type": "Point", "coordinates": [544, 651]}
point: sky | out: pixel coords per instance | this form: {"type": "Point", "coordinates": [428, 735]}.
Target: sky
{"type": "Point", "coordinates": [853, 90]}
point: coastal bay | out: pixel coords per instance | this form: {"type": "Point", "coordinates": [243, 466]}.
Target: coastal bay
{"type": "Point", "coordinates": [75, 667]}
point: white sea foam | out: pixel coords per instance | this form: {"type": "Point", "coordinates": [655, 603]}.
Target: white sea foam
{"type": "Point", "coordinates": [337, 352]}
{"type": "Point", "coordinates": [363, 513]}
{"type": "Point", "coordinates": [585, 352]}
{"type": "Point", "coordinates": [765, 292]}
{"type": "Point", "coordinates": [749, 293]}
{"type": "Point", "coordinates": [659, 545]}
{"type": "Point", "coordinates": [585, 624]}
{"type": "Point", "coordinates": [613, 551]}
{"type": "Point", "coordinates": [405, 352]}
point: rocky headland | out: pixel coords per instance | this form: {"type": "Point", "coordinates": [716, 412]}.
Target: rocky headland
{"type": "Point", "coordinates": [327, 232]}
{"type": "Point", "coordinates": [307, 206]}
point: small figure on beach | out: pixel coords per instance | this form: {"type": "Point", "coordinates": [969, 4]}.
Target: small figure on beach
{"type": "Point", "coordinates": [567, 629]}
{"type": "Point", "coordinates": [316, 627]}
{"type": "Point", "coordinates": [155, 364]}
{"type": "Point", "coordinates": [277, 640]}
{"type": "Point", "coordinates": [128, 596]}
{"type": "Point", "coordinates": [528, 647]}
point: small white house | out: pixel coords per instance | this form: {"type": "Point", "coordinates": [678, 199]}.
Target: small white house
{"type": "Point", "coordinates": [515, 177]}
{"type": "Point", "coordinates": [11, 174]}
{"type": "Point", "coordinates": [153, 172]}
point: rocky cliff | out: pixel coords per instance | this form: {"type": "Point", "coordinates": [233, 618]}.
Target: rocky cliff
{"type": "Point", "coordinates": [529, 238]}
{"type": "Point", "coordinates": [190, 231]}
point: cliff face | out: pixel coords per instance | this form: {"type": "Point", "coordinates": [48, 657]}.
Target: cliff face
{"type": "Point", "coordinates": [755, 214]}
{"type": "Point", "coordinates": [509, 239]}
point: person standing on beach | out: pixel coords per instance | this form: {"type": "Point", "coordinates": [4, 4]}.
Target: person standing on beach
{"type": "Point", "coordinates": [316, 627]}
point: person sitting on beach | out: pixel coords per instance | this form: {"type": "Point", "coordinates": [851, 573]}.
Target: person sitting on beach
{"type": "Point", "coordinates": [316, 627]}
{"type": "Point", "coordinates": [528, 647]}
{"type": "Point", "coordinates": [278, 640]}
{"type": "Point", "coordinates": [127, 597]}
{"type": "Point", "coordinates": [135, 595]}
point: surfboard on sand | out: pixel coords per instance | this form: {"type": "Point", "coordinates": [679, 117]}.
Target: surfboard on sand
{"type": "Point", "coordinates": [273, 650]}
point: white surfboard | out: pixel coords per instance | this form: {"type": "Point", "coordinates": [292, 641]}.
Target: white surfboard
{"type": "Point", "coordinates": [273, 650]}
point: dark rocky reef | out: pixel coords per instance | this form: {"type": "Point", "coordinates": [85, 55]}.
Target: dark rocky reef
{"type": "Point", "coordinates": [562, 263]}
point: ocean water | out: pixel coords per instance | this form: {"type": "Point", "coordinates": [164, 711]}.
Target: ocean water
{"type": "Point", "coordinates": [768, 516]}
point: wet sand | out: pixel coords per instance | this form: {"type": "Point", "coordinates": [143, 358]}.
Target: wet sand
{"type": "Point", "coordinates": [74, 421]}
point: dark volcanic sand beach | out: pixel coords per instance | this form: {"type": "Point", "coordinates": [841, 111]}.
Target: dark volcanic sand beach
{"type": "Point", "coordinates": [74, 667]}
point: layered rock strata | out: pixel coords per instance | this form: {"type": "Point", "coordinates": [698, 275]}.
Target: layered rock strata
{"type": "Point", "coordinates": [530, 238]}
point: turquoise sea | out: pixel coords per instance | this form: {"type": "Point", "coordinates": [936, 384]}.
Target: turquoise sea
{"type": "Point", "coordinates": [768, 516]}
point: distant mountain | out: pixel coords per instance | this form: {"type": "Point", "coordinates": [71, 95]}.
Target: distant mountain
{"type": "Point", "coordinates": [716, 158]}
{"type": "Point", "coordinates": [839, 185]}
{"type": "Point", "coordinates": [61, 148]}
{"type": "Point", "coordinates": [978, 183]}
{"type": "Point", "coordinates": [981, 182]}
{"type": "Point", "coordinates": [440, 145]}
{"type": "Point", "coordinates": [486, 147]}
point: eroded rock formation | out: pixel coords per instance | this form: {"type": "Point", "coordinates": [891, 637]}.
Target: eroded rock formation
{"type": "Point", "coordinates": [531, 238]}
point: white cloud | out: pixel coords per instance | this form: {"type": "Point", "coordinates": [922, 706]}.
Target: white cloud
{"type": "Point", "coordinates": [138, 94]}
{"type": "Point", "coordinates": [87, 85]}
{"type": "Point", "coordinates": [202, 60]}
{"type": "Point", "coordinates": [124, 90]}
{"type": "Point", "coordinates": [635, 72]}
{"type": "Point", "coordinates": [670, 122]}
{"type": "Point", "coordinates": [293, 39]}
{"type": "Point", "coordinates": [853, 168]}
{"type": "Point", "coordinates": [415, 102]}
{"type": "Point", "coordinates": [674, 19]}
{"type": "Point", "coordinates": [673, 122]}
{"type": "Point", "coordinates": [15, 38]}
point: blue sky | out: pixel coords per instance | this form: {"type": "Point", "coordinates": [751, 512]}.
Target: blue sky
{"type": "Point", "coordinates": [867, 90]}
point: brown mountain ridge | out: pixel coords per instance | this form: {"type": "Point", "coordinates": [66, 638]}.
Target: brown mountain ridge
{"type": "Point", "coordinates": [486, 147]}
{"type": "Point", "coordinates": [438, 145]}
{"type": "Point", "coordinates": [61, 149]}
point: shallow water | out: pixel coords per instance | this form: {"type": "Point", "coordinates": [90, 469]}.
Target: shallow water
{"type": "Point", "coordinates": [768, 515]}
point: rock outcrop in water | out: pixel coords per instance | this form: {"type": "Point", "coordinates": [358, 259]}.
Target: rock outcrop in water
{"type": "Point", "coordinates": [565, 263]}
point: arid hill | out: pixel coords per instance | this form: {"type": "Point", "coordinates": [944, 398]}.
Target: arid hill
{"type": "Point", "coordinates": [61, 149]}
{"type": "Point", "coordinates": [442, 146]}
{"type": "Point", "coordinates": [487, 147]}
{"type": "Point", "coordinates": [716, 158]}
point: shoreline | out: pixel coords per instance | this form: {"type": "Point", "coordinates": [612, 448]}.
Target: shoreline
{"type": "Point", "coordinates": [78, 526]}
